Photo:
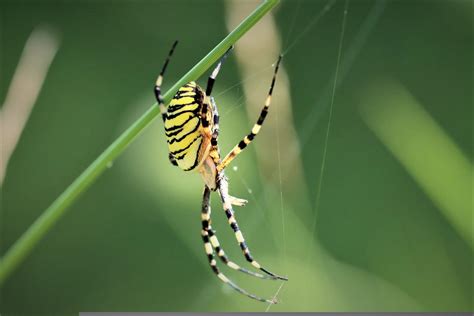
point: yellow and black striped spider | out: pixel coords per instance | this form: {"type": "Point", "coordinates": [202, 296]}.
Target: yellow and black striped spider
{"type": "Point", "coordinates": [192, 128]}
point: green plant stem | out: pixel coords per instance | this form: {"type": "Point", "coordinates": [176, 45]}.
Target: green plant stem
{"type": "Point", "coordinates": [25, 244]}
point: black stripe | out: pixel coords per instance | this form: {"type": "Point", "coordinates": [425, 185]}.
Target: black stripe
{"type": "Point", "coordinates": [181, 150]}
{"type": "Point", "coordinates": [174, 108]}
{"type": "Point", "coordinates": [158, 96]}
{"type": "Point", "coordinates": [196, 160]}
{"type": "Point", "coordinates": [174, 140]}
{"type": "Point", "coordinates": [243, 245]}
{"type": "Point", "coordinates": [174, 133]}
{"type": "Point", "coordinates": [263, 114]}
{"type": "Point", "coordinates": [228, 213]}
{"type": "Point", "coordinates": [210, 84]}
{"type": "Point", "coordinates": [273, 84]}
{"type": "Point", "coordinates": [174, 115]}
{"type": "Point", "coordinates": [234, 226]}
{"type": "Point", "coordinates": [181, 125]}
{"type": "Point", "coordinates": [172, 160]}
{"type": "Point", "coordinates": [242, 144]}
{"type": "Point", "coordinates": [180, 93]}
{"type": "Point", "coordinates": [213, 142]}
{"type": "Point", "coordinates": [179, 130]}
{"type": "Point", "coordinates": [248, 256]}
{"type": "Point", "coordinates": [205, 122]}
{"type": "Point", "coordinates": [250, 136]}
{"type": "Point", "coordinates": [205, 238]}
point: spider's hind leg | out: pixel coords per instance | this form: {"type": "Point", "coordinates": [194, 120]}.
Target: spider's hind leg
{"type": "Point", "coordinates": [211, 246]}
{"type": "Point", "coordinates": [223, 189]}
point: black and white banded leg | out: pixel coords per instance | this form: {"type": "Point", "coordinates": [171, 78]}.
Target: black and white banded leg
{"type": "Point", "coordinates": [207, 100]}
{"type": "Point", "coordinates": [206, 225]}
{"type": "Point", "coordinates": [159, 96]}
{"type": "Point", "coordinates": [209, 239]}
{"type": "Point", "coordinates": [223, 188]}
{"type": "Point", "coordinates": [256, 128]}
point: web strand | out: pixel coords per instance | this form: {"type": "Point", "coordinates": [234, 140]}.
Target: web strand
{"type": "Point", "coordinates": [310, 25]}
{"type": "Point", "coordinates": [292, 24]}
{"type": "Point", "coordinates": [353, 51]}
{"type": "Point", "coordinates": [328, 128]}
{"type": "Point", "coordinates": [282, 210]}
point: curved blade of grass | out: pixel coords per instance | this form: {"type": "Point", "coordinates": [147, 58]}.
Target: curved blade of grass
{"type": "Point", "coordinates": [25, 244]}
{"type": "Point", "coordinates": [424, 149]}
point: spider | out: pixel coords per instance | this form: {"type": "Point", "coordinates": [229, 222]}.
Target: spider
{"type": "Point", "coordinates": [191, 124]}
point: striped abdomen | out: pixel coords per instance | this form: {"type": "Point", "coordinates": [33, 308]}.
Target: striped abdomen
{"type": "Point", "coordinates": [183, 126]}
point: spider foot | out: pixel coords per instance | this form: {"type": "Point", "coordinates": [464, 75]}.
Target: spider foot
{"type": "Point", "coordinates": [237, 201]}
{"type": "Point", "coordinates": [273, 275]}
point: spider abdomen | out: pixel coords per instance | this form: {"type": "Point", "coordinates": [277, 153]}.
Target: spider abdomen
{"type": "Point", "coordinates": [183, 126]}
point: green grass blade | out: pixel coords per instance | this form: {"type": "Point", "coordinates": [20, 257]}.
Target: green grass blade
{"type": "Point", "coordinates": [424, 149]}
{"type": "Point", "coordinates": [25, 244]}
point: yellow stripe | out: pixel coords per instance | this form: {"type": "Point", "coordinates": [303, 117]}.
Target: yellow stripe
{"type": "Point", "coordinates": [185, 143]}
{"type": "Point", "coordinates": [188, 94]}
{"type": "Point", "coordinates": [181, 101]}
{"type": "Point", "coordinates": [187, 128]}
{"type": "Point", "coordinates": [190, 107]}
{"type": "Point", "coordinates": [178, 120]}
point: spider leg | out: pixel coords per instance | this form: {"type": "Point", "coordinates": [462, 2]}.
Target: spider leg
{"type": "Point", "coordinates": [223, 188]}
{"type": "Point", "coordinates": [215, 153]}
{"type": "Point", "coordinates": [159, 96]}
{"type": "Point", "coordinates": [215, 72]}
{"type": "Point", "coordinates": [256, 128]}
{"type": "Point", "coordinates": [206, 225]}
{"type": "Point", "coordinates": [159, 81]}
{"type": "Point", "coordinates": [237, 201]}
{"type": "Point", "coordinates": [208, 100]}
{"type": "Point", "coordinates": [215, 127]}
{"type": "Point", "coordinates": [211, 255]}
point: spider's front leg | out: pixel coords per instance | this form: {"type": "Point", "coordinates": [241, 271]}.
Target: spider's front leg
{"type": "Point", "coordinates": [159, 81]}
{"type": "Point", "coordinates": [256, 128]}
{"type": "Point", "coordinates": [159, 96]}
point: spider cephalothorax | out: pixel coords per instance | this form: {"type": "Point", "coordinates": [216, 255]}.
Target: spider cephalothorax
{"type": "Point", "coordinates": [192, 129]}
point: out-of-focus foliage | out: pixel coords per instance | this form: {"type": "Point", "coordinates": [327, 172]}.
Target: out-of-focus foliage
{"type": "Point", "coordinates": [132, 242]}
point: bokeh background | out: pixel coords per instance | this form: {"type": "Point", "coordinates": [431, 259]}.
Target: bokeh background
{"type": "Point", "coordinates": [388, 228]}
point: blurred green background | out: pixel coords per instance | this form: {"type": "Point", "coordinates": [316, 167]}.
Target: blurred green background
{"type": "Point", "coordinates": [132, 242]}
